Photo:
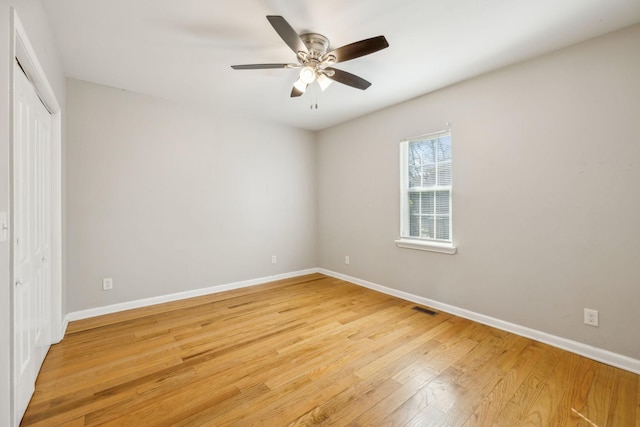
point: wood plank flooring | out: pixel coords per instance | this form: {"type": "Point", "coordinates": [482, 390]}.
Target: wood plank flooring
{"type": "Point", "coordinates": [314, 350]}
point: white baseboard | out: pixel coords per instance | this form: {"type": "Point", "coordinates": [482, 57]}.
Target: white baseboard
{"type": "Point", "coordinates": [63, 330]}
{"type": "Point", "coordinates": [115, 308]}
{"type": "Point", "coordinates": [595, 353]}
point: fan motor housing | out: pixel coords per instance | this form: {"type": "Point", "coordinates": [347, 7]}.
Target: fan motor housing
{"type": "Point", "coordinates": [317, 44]}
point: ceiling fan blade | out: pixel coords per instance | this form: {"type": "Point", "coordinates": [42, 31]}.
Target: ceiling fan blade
{"type": "Point", "coordinates": [358, 49]}
{"type": "Point", "coordinates": [295, 92]}
{"type": "Point", "coordinates": [259, 66]}
{"type": "Point", "coordinates": [287, 33]}
{"type": "Point", "coordinates": [348, 79]}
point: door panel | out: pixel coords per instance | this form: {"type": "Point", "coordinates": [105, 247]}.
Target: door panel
{"type": "Point", "coordinates": [32, 238]}
{"type": "Point", "coordinates": [42, 233]}
{"type": "Point", "coordinates": [23, 238]}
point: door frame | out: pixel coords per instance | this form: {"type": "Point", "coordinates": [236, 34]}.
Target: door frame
{"type": "Point", "coordinates": [20, 48]}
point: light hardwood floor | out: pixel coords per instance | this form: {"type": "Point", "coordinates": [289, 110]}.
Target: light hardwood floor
{"type": "Point", "coordinates": [316, 350]}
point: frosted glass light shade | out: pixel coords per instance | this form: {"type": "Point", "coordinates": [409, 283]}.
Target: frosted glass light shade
{"type": "Point", "coordinates": [307, 75]}
{"type": "Point", "coordinates": [324, 81]}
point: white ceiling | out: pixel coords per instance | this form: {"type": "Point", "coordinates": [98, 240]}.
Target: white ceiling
{"type": "Point", "coordinates": [183, 50]}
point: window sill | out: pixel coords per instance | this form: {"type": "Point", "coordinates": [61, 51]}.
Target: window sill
{"type": "Point", "coordinates": [421, 245]}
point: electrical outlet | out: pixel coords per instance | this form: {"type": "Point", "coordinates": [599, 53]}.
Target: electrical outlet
{"type": "Point", "coordinates": [274, 259]}
{"type": "Point", "coordinates": [590, 317]}
{"type": "Point", "coordinates": [107, 284]}
{"type": "Point", "coordinates": [347, 260]}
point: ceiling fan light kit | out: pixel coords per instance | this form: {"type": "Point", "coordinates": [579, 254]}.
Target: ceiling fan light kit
{"type": "Point", "coordinates": [323, 81]}
{"type": "Point", "coordinates": [315, 59]}
{"type": "Point", "coordinates": [308, 74]}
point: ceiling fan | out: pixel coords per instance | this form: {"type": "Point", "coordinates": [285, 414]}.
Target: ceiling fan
{"type": "Point", "coordinates": [315, 60]}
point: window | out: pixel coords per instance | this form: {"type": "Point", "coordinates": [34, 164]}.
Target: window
{"type": "Point", "coordinates": [426, 184]}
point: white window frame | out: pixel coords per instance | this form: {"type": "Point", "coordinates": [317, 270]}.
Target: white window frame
{"type": "Point", "coordinates": [412, 242]}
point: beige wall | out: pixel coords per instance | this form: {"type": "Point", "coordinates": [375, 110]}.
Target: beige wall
{"type": "Point", "coordinates": [34, 20]}
{"type": "Point", "coordinates": [546, 194]}
{"type": "Point", "coordinates": [164, 198]}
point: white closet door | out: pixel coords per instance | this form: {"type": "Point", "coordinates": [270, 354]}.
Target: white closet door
{"type": "Point", "coordinates": [32, 238]}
